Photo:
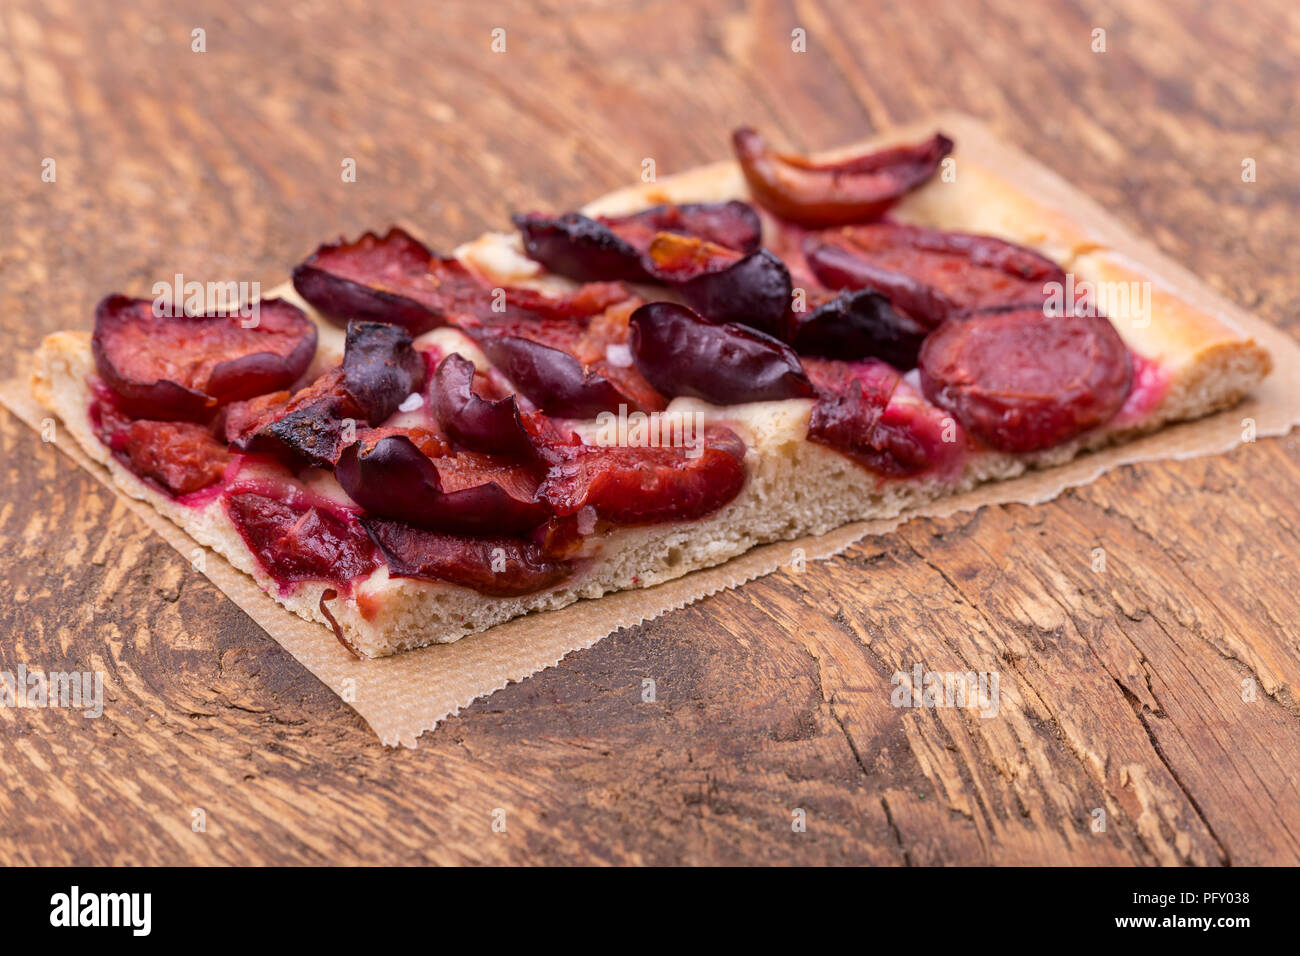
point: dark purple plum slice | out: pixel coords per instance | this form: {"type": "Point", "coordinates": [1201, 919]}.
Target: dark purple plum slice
{"type": "Point", "coordinates": [380, 368]}
{"type": "Point", "coordinates": [374, 279]}
{"type": "Point", "coordinates": [856, 325]}
{"type": "Point", "coordinates": [458, 494]}
{"type": "Point", "coordinates": [553, 380]}
{"type": "Point", "coordinates": [477, 423]}
{"type": "Point", "coordinates": [614, 248]}
{"type": "Point", "coordinates": [680, 353]}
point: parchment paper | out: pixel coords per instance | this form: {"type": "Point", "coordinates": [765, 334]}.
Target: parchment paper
{"type": "Point", "coordinates": [401, 697]}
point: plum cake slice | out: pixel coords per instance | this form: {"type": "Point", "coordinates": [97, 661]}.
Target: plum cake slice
{"type": "Point", "coordinates": [408, 448]}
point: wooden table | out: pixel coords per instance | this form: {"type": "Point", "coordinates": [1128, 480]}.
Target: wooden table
{"type": "Point", "coordinates": [1120, 692]}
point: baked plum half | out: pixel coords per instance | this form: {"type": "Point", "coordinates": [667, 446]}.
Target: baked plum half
{"type": "Point", "coordinates": [392, 278]}
{"type": "Point", "coordinates": [307, 428]}
{"type": "Point", "coordinates": [552, 378]}
{"type": "Point", "coordinates": [566, 367]}
{"type": "Point", "coordinates": [724, 285]}
{"type": "Point", "coordinates": [497, 567]}
{"type": "Point", "coordinates": [494, 426]}
{"type": "Point", "coordinates": [176, 457]}
{"type": "Point", "coordinates": [757, 291]}
{"type": "Point", "coordinates": [863, 411]}
{"type": "Point", "coordinates": [396, 279]}
{"type": "Point", "coordinates": [462, 493]}
{"type": "Point", "coordinates": [733, 224]}
{"type": "Point", "coordinates": [614, 247]}
{"type": "Point", "coordinates": [818, 194]}
{"type": "Point", "coordinates": [299, 540]}
{"type": "Point", "coordinates": [681, 353]}
{"type": "Point", "coordinates": [183, 368]}
{"type": "Point", "coordinates": [1022, 381]}
{"type": "Point", "coordinates": [380, 369]}
{"type": "Point", "coordinates": [931, 274]}
{"type": "Point", "coordinates": [856, 325]}
{"type": "Point", "coordinates": [639, 485]}
{"type": "Point", "coordinates": [580, 247]}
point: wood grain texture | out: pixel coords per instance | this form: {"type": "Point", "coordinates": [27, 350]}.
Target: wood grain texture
{"type": "Point", "coordinates": [1120, 691]}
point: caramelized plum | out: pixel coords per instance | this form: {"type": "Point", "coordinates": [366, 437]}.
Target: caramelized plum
{"type": "Point", "coordinates": [1022, 381]}
{"type": "Point", "coordinates": [928, 273]}
{"type": "Point", "coordinates": [592, 371]}
{"type": "Point", "coordinates": [608, 248]}
{"type": "Point", "coordinates": [733, 225]}
{"type": "Point", "coordinates": [462, 494]}
{"type": "Point", "coordinates": [433, 444]}
{"type": "Point", "coordinates": [910, 440]}
{"type": "Point", "coordinates": [397, 280]}
{"type": "Point", "coordinates": [581, 248]}
{"type": "Point", "coordinates": [869, 380]}
{"type": "Point", "coordinates": [675, 259]}
{"type": "Point", "coordinates": [851, 397]}
{"type": "Point", "coordinates": [861, 413]}
{"type": "Point", "coordinates": [301, 542]}
{"type": "Point", "coordinates": [634, 485]}
{"type": "Point", "coordinates": [855, 325]}
{"type": "Point", "coordinates": [185, 367]}
{"type": "Point", "coordinates": [473, 421]}
{"type": "Point", "coordinates": [681, 353]}
{"type": "Point", "coordinates": [588, 300]}
{"type": "Point", "coordinates": [380, 368]}
{"type": "Point", "coordinates": [553, 379]}
{"type": "Point", "coordinates": [376, 278]}
{"type": "Point", "coordinates": [604, 348]}
{"type": "Point", "coordinates": [310, 427]}
{"type": "Point", "coordinates": [241, 420]}
{"type": "Point", "coordinates": [181, 457]}
{"type": "Point", "coordinates": [497, 567]}
{"type": "Point", "coordinates": [722, 285]}
{"type": "Point", "coordinates": [828, 194]}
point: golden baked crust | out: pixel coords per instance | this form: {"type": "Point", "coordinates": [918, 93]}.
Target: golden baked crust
{"type": "Point", "coordinates": [1160, 324]}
